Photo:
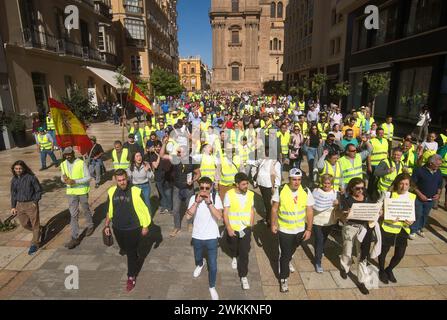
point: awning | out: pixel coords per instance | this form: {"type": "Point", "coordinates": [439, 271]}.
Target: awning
{"type": "Point", "coordinates": [109, 76]}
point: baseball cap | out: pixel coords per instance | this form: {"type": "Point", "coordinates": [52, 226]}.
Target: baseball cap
{"type": "Point", "coordinates": [131, 136]}
{"type": "Point", "coordinates": [68, 150]}
{"type": "Point", "coordinates": [40, 129]}
{"type": "Point", "coordinates": [295, 173]}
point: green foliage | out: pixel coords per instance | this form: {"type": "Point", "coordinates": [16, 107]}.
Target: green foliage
{"type": "Point", "coordinates": [378, 83]}
{"type": "Point", "coordinates": [318, 81]}
{"type": "Point", "coordinates": [7, 226]}
{"type": "Point", "coordinates": [341, 90]}
{"type": "Point", "coordinates": [121, 80]}
{"type": "Point", "coordinates": [143, 85]}
{"type": "Point", "coordinates": [274, 87]}
{"type": "Point", "coordinates": [80, 104]}
{"type": "Point", "coordinates": [165, 83]}
{"type": "Point", "coordinates": [15, 122]}
{"type": "Point", "coordinates": [414, 100]}
{"type": "Point", "coordinates": [293, 91]}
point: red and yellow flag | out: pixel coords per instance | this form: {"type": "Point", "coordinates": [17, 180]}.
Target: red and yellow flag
{"type": "Point", "coordinates": [137, 97]}
{"type": "Point", "coordinates": [70, 132]}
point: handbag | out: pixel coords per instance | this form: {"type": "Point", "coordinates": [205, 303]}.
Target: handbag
{"type": "Point", "coordinates": [108, 240]}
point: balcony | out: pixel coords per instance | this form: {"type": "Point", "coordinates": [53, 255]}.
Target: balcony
{"type": "Point", "coordinates": [235, 44]}
{"type": "Point", "coordinates": [104, 8]}
{"type": "Point", "coordinates": [133, 7]}
{"type": "Point", "coordinates": [136, 42]}
{"type": "Point", "coordinates": [43, 41]}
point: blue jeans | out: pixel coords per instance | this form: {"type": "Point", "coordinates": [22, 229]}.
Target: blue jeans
{"type": "Point", "coordinates": [53, 135]}
{"type": "Point", "coordinates": [165, 191]}
{"type": "Point", "coordinates": [95, 170]}
{"type": "Point", "coordinates": [146, 191]}
{"type": "Point", "coordinates": [211, 246]}
{"type": "Point", "coordinates": [422, 212]}
{"type": "Point", "coordinates": [43, 157]}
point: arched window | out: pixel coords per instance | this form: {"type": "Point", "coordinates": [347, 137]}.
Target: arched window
{"type": "Point", "coordinates": [275, 44]}
{"type": "Point", "coordinates": [234, 5]}
{"type": "Point", "coordinates": [280, 10]}
{"type": "Point", "coordinates": [272, 10]}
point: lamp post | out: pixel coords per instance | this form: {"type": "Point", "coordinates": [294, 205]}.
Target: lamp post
{"type": "Point", "coordinates": [277, 68]}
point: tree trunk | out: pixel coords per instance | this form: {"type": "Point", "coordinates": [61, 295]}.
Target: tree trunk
{"type": "Point", "coordinates": [373, 107]}
{"type": "Point", "coordinates": [339, 103]}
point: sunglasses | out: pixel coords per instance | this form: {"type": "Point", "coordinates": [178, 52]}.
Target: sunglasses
{"type": "Point", "coordinates": [352, 150]}
{"type": "Point", "coordinates": [205, 188]}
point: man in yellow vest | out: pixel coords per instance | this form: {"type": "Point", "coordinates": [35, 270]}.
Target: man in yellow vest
{"type": "Point", "coordinates": [138, 133]}
{"type": "Point", "coordinates": [292, 220]}
{"type": "Point", "coordinates": [51, 129]}
{"type": "Point", "coordinates": [301, 104]}
{"type": "Point", "coordinates": [443, 153]}
{"type": "Point", "coordinates": [389, 169]}
{"type": "Point", "coordinates": [228, 167]}
{"type": "Point", "coordinates": [352, 163]}
{"type": "Point", "coordinates": [75, 175]}
{"type": "Point", "coordinates": [379, 150]}
{"type": "Point", "coordinates": [284, 140]}
{"type": "Point", "coordinates": [120, 156]}
{"type": "Point", "coordinates": [239, 215]}
{"type": "Point", "coordinates": [409, 156]}
{"type": "Point", "coordinates": [303, 125]}
{"type": "Point", "coordinates": [45, 144]}
{"type": "Point", "coordinates": [388, 128]}
{"type": "Point", "coordinates": [131, 220]}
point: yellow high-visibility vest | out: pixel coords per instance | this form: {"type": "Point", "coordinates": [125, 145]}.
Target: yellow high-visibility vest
{"type": "Point", "coordinates": [243, 153]}
{"type": "Point", "coordinates": [444, 138]}
{"type": "Point", "coordinates": [304, 129]}
{"type": "Point", "coordinates": [44, 142]}
{"type": "Point", "coordinates": [239, 216]}
{"type": "Point", "coordinates": [229, 171]}
{"type": "Point", "coordinates": [386, 181]}
{"type": "Point", "coordinates": [140, 207]}
{"type": "Point", "coordinates": [349, 170]}
{"type": "Point", "coordinates": [285, 140]}
{"type": "Point", "coordinates": [379, 152]}
{"type": "Point", "coordinates": [426, 155]}
{"type": "Point", "coordinates": [292, 212]}
{"type": "Point", "coordinates": [389, 132]}
{"type": "Point", "coordinates": [395, 227]}
{"type": "Point", "coordinates": [122, 163]}
{"type": "Point", "coordinates": [50, 124]}
{"type": "Point", "coordinates": [328, 169]}
{"type": "Point", "coordinates": [76, 174]}
{"type": "Point", "coordinates": [208, 166]}
{"type": "Point", "coordinates": [410, 162]}
{"type": "Point", "coordinates": [443, 167]}
{"type": "Point", "coordinates": [302, 105]}
{"type": "Point", "coordinates": [148, 131]}
{"type": "Point", "coordinates": [323, 128]}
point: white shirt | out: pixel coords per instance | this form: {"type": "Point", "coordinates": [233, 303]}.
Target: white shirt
{"type": "Point", "coordinates": [270, 110]}
{"type": "Point", "coordinates": [324, 206]}
{"type": "Point", "coordinates": [241, 197]}
{"type": "Point", "coordinates": [336, 118]}
{"type": "Point", "coordinates": [432, 146]}
{"type": "Point", "coordinates": [264, 178]}
{"type": "Point", "coordinates": [205, 224]}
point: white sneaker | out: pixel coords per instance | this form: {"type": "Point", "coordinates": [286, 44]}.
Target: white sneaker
{"type": "Point", "coordinates": [234, 264]}
{"type": "Point", "coordinates": [214, 295]}
{"type": "Point", "coordinates": [198, 271]}
{"type": "Point", "coordinates": [421, 234]}
{"type": "Point", "coordinates": [412, 236]}
{"type": "Point", "coordinates": [291, 267]}
{"type": "Point", "coordinates": [284, 285]}
{"type": "Point", "coordinates": [244, 282]}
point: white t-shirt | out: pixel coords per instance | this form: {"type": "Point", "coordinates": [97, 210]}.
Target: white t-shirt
{"type": "Point", "coordinates": [241, 197]}
{"type": "Point", "coordinates": [205, 224]}
{"type": "Point", "coordinates": [324, 206]}
{"type": "Point", "coordinates": [432, 146]}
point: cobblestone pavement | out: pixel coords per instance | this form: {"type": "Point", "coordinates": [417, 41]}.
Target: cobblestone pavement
{"type": "Point", "coordinates": [167, 270]}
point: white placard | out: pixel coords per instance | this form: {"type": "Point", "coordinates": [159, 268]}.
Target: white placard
{"type": "Point", "coordinates": [365, 211]}
{"type": "Point", "coordinates": [399, 209]}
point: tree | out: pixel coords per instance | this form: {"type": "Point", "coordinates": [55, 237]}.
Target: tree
{"type": "Point", "coordinates": [122, 82]}
{"type": "Point", "coordinates": [318, 82]}
{"type": "Point", "coordinates": [341, 90]}
{"type": "Point", "coordinates": [378, 83]}
{"type": "Point", "coordinates": [80, 103]}
{"type": "Point", "coordinates": [303, 89]}
{"type": "Point", "coordinates": [293, 91]}
{"type": "Point", "coordinates": [165, 83]}
{"type": "Point", "coordinates": [143, 85]}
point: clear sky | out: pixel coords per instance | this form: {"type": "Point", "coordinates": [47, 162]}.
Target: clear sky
{"type": "Point", "coordinates": [194, 34]}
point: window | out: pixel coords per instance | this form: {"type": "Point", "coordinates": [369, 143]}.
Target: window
{"type": "Point", "coordinates": [193, 70]}
{"type": "Point", "coordinates": [235, 73]}
{"type": "Point", "coordinates": [424, 15]}
{"type": "Point", "coordinates": [272, 10]}
{"type": "Point", "coordinates": [275, 44]}
{"type": "Point", "coordinates": [280, 10]}
{"type": "Point", "coordinates": [135, 29]}
{"type": "Point", "coordinates": [133, 6]}
{"type": "Point", "coordinates": [234, 36]}
{"type": "Point", "coordinates": [68, 85]}
{"type": "Point", "coordinates": [234, 5]}
{"type": "Point", "coordinates": [184, 69]}
{"type": "Point", "coordinates": [135, 63]}
{"type": "Point", "coordinates": [101, 39]}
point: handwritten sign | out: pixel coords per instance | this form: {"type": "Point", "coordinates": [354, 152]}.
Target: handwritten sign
{"type": "Point", "coordinates": [399, 209]}
{"type": "Point", "coordinates": [365, 211]}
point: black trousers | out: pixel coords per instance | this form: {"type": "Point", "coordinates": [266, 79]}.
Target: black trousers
{"type": "Point", "coordinates": [400, 246]}
{"type": "Point", "coordinates": [267, 198]}
{"type": "Point", "coordinates": [240, 248]}
{"type": "Point", "coordinates": [128, 241]}
{"type": "Point", "coordinates": [288, 243]}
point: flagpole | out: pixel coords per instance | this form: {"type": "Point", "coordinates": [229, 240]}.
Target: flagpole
{"type": "Point", "coordinates": [123, 117]}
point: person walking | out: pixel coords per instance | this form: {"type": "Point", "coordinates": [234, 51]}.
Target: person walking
{"type": "Point", "coordinates": [395, 233]}
{"type": "Point", "coordinates": [95, 162]}
{"type": "Point", "coordinates": [239, 215]}
{"type": "Point", "coordinates": [51, 129]}
{"type": "Point", "coordinates": [140, 173]}
{"type": "Point", "coordinates": [130, 218]}
{"type": "Point", "coordinates": [428, 187]}
{"type": "Point", "coordinates": [292, 220]}
{"type": "Point", "coordinates": [312, 145]}
{"type": "Point", "coordinates": [120, 156]}
{"type": "Point", "coordinates": [26, 192]}
{"type": "Point", "coordinates": [76, 177]}
{"type": "Point", "coordinates": [421, 131]}
{"type": "Point", "coordinates": [45, 144]}
{"type": "Point", "coordinates": [206, 210]}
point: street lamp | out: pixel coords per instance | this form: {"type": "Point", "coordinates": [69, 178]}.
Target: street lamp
{"type": "Point", "coordinates": [277, 68]}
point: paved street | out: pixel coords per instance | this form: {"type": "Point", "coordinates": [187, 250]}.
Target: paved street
{"type": "Point", "coordinates": [167, 270]}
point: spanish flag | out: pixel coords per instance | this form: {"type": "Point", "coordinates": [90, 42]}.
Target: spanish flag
{"type": "Point", "coordinates": [137, 97]}
{"type": "Point", "coordinates": [70, 132]}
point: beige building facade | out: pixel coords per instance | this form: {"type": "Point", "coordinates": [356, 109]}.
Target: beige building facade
{"type": "Point", "coordinates": [44, 59]}
{"type": "Point", "coordinates": [192, 74]}
{"type": "Point", "coordinates": [248, 43]}
{"type": "Point", "coordinates": [148, 36]}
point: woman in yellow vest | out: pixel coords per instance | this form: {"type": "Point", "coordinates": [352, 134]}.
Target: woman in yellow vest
{"type": "Point", "coordinates": [228, 168]}
{"type": "Point", "coordinates": [208, 163]}
{"type": "Point", "coordinates": [395, 233]}
{"type": "Point", "coordinates": [292, 220]}
{"type": "Point", "coordinates": [131, 219]}
{"type": "Point", "coordinates": [239, 215]}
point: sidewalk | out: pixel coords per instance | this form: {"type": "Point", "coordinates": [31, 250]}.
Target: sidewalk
{"type": "Point", "coordinates": [167, 271]}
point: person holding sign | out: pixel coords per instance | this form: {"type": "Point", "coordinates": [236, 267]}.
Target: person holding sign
{"type": "Point", "coordinates": [351, 231]}
{"type": "Point", "coordinates": [395, 232]}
